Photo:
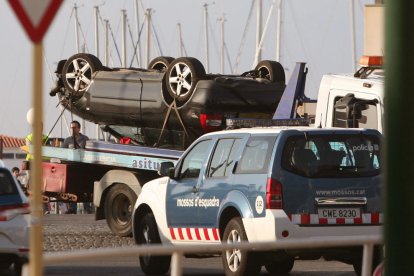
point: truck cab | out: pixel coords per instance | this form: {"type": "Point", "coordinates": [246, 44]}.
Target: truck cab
{"type": "Point", "coordinates": [353, 101]}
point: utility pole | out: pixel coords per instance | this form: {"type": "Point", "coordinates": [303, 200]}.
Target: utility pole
{"type": "Point", "coordinates": [206, 36]}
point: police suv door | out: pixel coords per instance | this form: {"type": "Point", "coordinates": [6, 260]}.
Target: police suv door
{"type": "Point", "coordinates": [181, 192]}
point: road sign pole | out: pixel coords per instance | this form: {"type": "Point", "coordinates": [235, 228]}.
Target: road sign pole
{"type": "Point", "coordinates": [36, 232]}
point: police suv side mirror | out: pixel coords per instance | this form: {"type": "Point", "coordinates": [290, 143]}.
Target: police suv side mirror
{"type": "Point", "coordinates": [166, 169]}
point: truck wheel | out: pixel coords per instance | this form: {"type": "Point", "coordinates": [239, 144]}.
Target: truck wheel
{"type": "Point", "coordinates": [236, 261]}
{"type": "Point", "coordinates": [271, 70]}
{"type": "Point", "coordinates": [118, 209]}
{"type": "Point", "coordinates": [78, 71]}
{"type": "Point", "coordinates": [182, 76]}
{"type": "Point", "coordinates": [148, 234]}
{"type": "Point", "coordinates": [160, 63]}
{"type": "Point", "coordinates": [280, 267]}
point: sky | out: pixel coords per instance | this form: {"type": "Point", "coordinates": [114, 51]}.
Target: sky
{"type": "Point", "coordinates": [317, 32]}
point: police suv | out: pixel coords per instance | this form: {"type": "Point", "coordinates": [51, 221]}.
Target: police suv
{"type": "Point", "coordinates": [263, 185]}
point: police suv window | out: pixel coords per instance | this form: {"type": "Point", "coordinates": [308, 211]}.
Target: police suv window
{"type": "Point", "coordinates": [223, 157]}
{"type": "Point", "coordinates": [256, 155]}
{"type": "Point", "coordinates": [194, 160]}
{"type": "Point", "coordinates": [332, 155]}
{"type": "Point", "coordinates": [7, 185]}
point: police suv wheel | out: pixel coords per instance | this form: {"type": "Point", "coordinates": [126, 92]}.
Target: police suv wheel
{"type": "Point", "coordinates": [148, 234]}
{"type": "Point", "coordinates": [118, 209]}
{"type": "Point", "coordinates": [280, 267]}
{"type": "Point", "coordinates": [236, 261]}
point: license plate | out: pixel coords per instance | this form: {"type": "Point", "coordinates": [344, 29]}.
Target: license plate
{"type": "Point", "coordinates": [339, 213]}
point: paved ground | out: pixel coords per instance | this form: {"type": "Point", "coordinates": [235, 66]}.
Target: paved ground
{"type": "Point", "coordinates": [84, 233]}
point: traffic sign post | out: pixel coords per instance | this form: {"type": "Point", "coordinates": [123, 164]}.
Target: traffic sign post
{"type": "Point", "coordinates": [36, 16]}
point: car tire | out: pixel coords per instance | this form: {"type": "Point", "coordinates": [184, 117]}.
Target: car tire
{"type": "Point", "coordinates": [280, 267]}
{"type": "Point", "coordinates": [118, 209]}
{"type": "Point", "coordinates": [147, 234]}
{"type": "Point", "coordinates": [271, 70]}
{"type": "Point", "coordinates": [182, 77]}
{"type": "Point", "coordinates": [78, 71]}
{"type": "Point", "coordinates": [238, 262]}
{"type": "Point", "coordinates": [160, 63]}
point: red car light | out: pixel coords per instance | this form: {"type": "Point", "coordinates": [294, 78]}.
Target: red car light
{"type": "Point", "coordinates": [211, 122]}
{"type": "Point", "coordinates": [8, 212]}
{"type": "Point", "coordinates": [273, 194]}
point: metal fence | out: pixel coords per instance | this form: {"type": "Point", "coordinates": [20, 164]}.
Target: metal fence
{"type": "Point", "coordinates": [178, 251]}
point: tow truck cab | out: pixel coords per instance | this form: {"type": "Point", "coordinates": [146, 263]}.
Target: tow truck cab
{"type": "Point", "coordinates": [353, 101]}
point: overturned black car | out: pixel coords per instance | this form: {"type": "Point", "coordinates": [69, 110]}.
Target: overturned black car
{"type": "Point", "coordinates": [171, 103]}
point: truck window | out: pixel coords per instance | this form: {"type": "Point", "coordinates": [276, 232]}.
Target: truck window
{"type": "Point", "coordinates": [256, 155]}
{"type": "Point", "coordinates": [223, 157]}
{"type": "Point", "coordinates": [351, 112]}
{"type": "Point", "coordinates": [194, 160]}
{"type": "Point", "coordinates": [332, 155]}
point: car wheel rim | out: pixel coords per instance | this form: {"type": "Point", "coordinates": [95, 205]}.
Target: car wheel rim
{"type": "Point", "coordinates": [122, 209]}
{"type": "Point", "coordinates": [180, 80]}
{"type": "Point", "coordinates": [233, 256]}
{"type": "Point", "coordinates": [79, 75]}
{"type": "Point", "coordinates": [264, 73]}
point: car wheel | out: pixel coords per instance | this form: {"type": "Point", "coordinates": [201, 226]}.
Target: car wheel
{"type": "Point", "coordinates": [78, 71]}
{"type": "Point", "coordinates": [160, 63]}
{"type": "Point", "coordinates": [236, 261]}
{"type": "Point", "coordinates": [147, 235]}
{"type": "Point", "coordinates": [118, 209]}
{"type": "Point", "coordinates": [182, 77]}
{"type": "Point", "coordinates": [280, 267]}
{"type": "Point", "coordinates": [271, 70]}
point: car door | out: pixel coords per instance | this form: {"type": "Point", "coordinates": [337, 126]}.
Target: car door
{"type": "Point", "coordinates": [214, 184]}
{"type": "Point", "coordinates": [182, 191]}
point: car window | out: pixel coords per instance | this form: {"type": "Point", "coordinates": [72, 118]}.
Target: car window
{"type": "Point", "coordinates": [256, 155]}
{"type": "Point", "coordinates": [7, 184]}
{"type": "Point", "coordinates": [332, 155]}
{"type": "Point", "coordinates": [194, 160]}
{"type": "Point", "coordinates": [223, 157]}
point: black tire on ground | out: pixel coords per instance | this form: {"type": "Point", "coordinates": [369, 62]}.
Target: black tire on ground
{"type": "Point", "coordinates": [283, 266]}
{"type": "Point", "coordinates": [182, 77]}
{"type": "Point", "coordinates": [238, 262]}
{"type": "Point", "coordinates": [160, 63]}
{"type": "Point", "coordinates": [148, 234]}
{"type": "Point", "coordinates": [271, 70]}
{"type": "Point", "coordinates": [18, 265]}
{"type": "Point", "coordinates": [78, 71]}
{"type": "Point", "coordinates": [119, 204]}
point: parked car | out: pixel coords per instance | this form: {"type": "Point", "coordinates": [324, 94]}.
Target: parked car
{"type": "Point", "coordinates": [14, 222]}
{"type": "Point", "coordinates": [265, 184]}
{"type": "Point", "coordinates": [171, 103]}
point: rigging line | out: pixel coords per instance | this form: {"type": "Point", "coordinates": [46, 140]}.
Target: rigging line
{"type": "Point", "coordinates": [156, 39]}
{"type": "Point", "coordinates": [66, 34]}
{"type": "Point", "coordinates": [84, 38]}
{"type": "Point", "coordinates": [228, 57]}
{"type": "Point", "coordinates": [132, 41]}
{"type": "Point", "coordinates": [116, 47]}
{"type": "Point", "coordinates": [138, 40]}
{"type": "Point", "coordinates": [243, 40]}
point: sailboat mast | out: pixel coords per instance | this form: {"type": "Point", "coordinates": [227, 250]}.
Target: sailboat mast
{"type": "Point", "coordinates": [279, 30]}
{"type": "Point", "coordinates": [353, 46]}
{"type": "Point", "coordinates": [222, 19]}
{"type": "Point", "coordinates": [206, 37]}
{"type": "Point", "coordinates": [96, 9]}
{"type": "Point", "coordinates": [180, 37]}
{"type": "Point", "coordinates": [123, 15]}
{"type": "Point", "coordinates": [75, 8]}
{"type": "Point", "coordinates": [258, 28]}
{"type": "Point", "coordinates": [148, 15]}
{"type": "Point", "coordinates": [138, 50]}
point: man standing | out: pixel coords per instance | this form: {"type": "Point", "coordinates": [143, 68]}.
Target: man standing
{"type": "Point", "coordinates": [77, 140]}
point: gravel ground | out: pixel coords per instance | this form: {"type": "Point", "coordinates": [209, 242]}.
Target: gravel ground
{"type": "Point", "coordinates": [83, 233]}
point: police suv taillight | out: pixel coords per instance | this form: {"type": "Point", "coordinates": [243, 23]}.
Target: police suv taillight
{"type": "Point", "coordinates": [273, 194]}
{"type": "Point", "coordinates": [211, 122]}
